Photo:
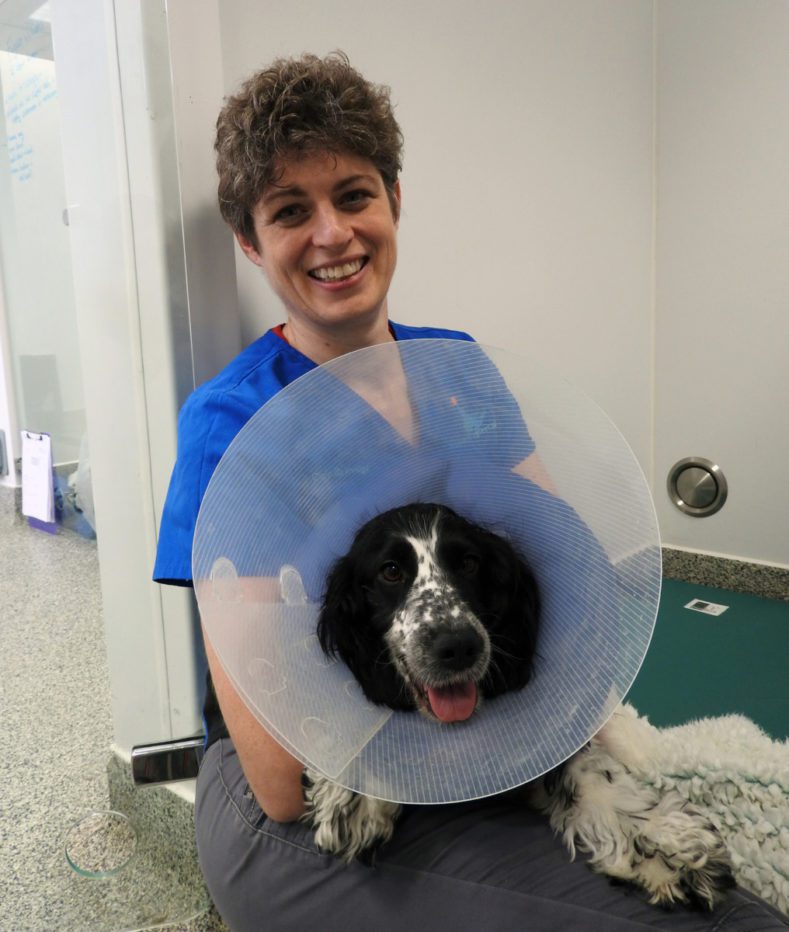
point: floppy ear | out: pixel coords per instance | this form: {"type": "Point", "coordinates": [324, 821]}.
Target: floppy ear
{"type": "Point", "coordinates": [345, 631]}
{"type": "Point", "coordinates": [526, 606]}
{"type": "Point", "coordinates": [340, 612]}
{"type": "Point", "coordinates": [516, 604]}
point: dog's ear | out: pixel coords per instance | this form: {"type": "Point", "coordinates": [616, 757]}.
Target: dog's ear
{"type": "Point", "coordinates": [511, 577]}
{"type": "Point", "coordinates": [340, 610]}
{"type": "Point", "coordinates": [345, 631]}
{"type": "Point", "coordinates": [516, 604]}
{"type": "Point", "coordinates": [344, 628]}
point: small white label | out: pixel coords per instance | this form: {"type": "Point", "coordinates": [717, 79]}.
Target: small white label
{"type": "Point", "coordinates": [707, 608]}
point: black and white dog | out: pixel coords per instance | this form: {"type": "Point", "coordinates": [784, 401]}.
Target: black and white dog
{"type": "Point", "coordinates": [435, 614]}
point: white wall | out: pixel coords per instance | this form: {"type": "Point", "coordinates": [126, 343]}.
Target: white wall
{"type": "Point", "coordinates": [600, 184]}
{"type": "Point", "coordinates": [722, 336]}
{"type": "Point", "coordinates": [527, 187]}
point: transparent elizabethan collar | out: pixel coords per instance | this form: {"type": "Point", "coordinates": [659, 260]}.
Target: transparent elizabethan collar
{"type": "Point", "coordinates": [340, 445]}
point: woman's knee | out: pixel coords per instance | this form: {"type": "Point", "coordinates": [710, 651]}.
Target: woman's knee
{"type": "Point", "coordinates": [257, 871]}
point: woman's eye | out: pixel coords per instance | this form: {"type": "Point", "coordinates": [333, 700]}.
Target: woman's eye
{"type": "Point", "coordinates": [289, 214]}
{"type": "Point", "coordinates": [469, 565]}
{"type": "Point", "coordinates": [356, 198]}
{"type": "Point", "coordinates": [390, 572]}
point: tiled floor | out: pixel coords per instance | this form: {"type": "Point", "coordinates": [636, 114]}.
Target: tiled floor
{"type": "Point", "coordinates": [56, 732]}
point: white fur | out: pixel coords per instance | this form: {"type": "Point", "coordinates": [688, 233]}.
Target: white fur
{"type": "Point", "coordinates": [599, 806]}
{"type": "Point", "coordinates": [347, 824]}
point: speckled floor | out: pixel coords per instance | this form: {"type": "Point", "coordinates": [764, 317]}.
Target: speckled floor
{"type": "Point", "coordinates": [56, 732]}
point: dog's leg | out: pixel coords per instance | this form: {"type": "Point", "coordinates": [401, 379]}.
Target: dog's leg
{"type": "Point", "coordinates": [632, 832]}
{"type": "Point", "coordinates": [346, 824]}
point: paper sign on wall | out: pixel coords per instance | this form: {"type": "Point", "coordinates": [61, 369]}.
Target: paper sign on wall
{"type": "Point", "coordinates": [38, 493]}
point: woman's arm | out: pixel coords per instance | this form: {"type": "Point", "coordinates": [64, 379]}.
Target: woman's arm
{"type": "Point", "coordinates": [273, 774]}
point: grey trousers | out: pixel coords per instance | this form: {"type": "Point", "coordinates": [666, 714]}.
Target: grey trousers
{"type": "Point", "coordinates": [487, 866]}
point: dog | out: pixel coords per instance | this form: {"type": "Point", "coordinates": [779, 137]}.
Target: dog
{"type": "Point", "coordinates": [434, 615]}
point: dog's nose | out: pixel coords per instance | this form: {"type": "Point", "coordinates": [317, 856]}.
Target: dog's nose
{"type": "Point", "coordinates": [458, 650]}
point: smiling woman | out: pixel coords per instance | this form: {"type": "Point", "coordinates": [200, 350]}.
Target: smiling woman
{"type": "Point", "coordinates": [309, 157]}
{"type": "Point", "coordinates": [325, 235]}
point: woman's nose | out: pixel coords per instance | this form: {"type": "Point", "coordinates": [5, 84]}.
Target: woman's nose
{"type": "Point", "coordinates": [332, 229]}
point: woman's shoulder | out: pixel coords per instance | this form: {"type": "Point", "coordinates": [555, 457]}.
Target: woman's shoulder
{"type": "Point", "coordinates": [405, 332]}
{"type": "Point", "coordinates": [247, 382]}
{"type": "Point", "coordinates": [259, 356]}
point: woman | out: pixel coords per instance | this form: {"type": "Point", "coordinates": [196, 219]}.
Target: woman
{"type": "Point", "coordinates": [309, 156]}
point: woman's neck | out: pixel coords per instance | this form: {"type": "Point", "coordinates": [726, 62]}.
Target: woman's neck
{"type": "Point", "coordinates": [321, 345]}
{"type": "Point", "coordinates": [383, 384]}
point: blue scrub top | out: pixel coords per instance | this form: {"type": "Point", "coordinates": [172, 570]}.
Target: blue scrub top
{"type": "Point", "coordinates": [210, 419]}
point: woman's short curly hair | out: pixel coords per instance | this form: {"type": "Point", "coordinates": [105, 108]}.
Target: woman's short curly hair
{"type": "Point", "coordinates": [297, 106]}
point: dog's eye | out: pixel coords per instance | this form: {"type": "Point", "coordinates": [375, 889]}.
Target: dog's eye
{"type": "Point", "coordinates": [469, 565]}
{"type": "Point", "coordinates": [391, 572]}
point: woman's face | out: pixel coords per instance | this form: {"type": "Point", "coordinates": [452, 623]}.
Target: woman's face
{"type": "Point", "coordinates": [326, 239]}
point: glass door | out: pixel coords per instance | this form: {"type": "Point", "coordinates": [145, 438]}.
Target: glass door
{"type": "Point", "coordinates": [40, 334]}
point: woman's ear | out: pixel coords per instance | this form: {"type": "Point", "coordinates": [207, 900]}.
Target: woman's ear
{"type": "Point", "coordinates": [249, 249]}
{"type": "Point", "coordinates": [395, 200]}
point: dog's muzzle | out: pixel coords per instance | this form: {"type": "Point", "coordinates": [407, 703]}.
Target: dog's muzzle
{"type": "Point", "coordinates": [443, 652]}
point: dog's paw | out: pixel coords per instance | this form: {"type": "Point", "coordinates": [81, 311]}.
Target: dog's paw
{"type": "Point", "coordinates": [678, 856]}
{"type": "Point", "coordinates": [347, 824]}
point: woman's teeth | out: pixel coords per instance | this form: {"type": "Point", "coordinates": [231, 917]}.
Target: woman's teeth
{"type": "Point", "coordinates": [336, 272]}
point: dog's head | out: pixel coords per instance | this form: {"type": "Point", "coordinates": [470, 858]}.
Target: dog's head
{"type": "Point", "coordinates": [431, 612]}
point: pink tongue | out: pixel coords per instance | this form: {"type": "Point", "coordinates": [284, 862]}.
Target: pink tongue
{"type": "Point", "coordinates": [453, 703]}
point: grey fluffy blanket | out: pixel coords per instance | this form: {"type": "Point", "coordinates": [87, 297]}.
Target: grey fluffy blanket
{"type": "Point", "coordinates": [729, 766]}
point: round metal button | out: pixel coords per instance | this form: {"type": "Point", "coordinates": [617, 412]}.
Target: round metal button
{"type": "Point", "coordinates": [697, 486]}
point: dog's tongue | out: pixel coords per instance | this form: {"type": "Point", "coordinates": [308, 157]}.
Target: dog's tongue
{"type": "Point", "coordinates": [453, 703]}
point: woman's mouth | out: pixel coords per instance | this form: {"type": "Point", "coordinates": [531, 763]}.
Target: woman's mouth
{"type": "Point", "coordinates": [338, 273]}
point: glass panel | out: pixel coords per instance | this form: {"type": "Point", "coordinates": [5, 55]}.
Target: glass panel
{"type": "Point", "coordinates": [34, 246]}
{"type": "Point", "coordinates": [87, 850]}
